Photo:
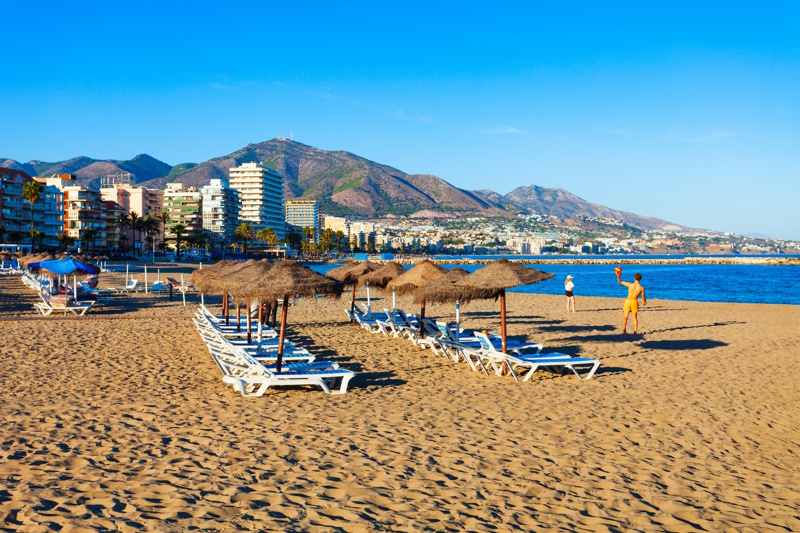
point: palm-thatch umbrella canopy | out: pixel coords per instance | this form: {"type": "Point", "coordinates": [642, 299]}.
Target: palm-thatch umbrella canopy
{"type": "Point", "coordinates": [381, 277]}
{"type": "Point", "coordinates": [385, 274]}
{"type": "Point", "coordinates": [423, 273]}
{"type": "Point", "coordinates": [498, 276]}
{"type": "Point", "coordinates": [290, 278]}
{"type": "Point", "coordinates": [443, 289]}
{"type": "Point", "coordinates": [349, 274]}
{"type": "Point", "coordinates": [245, 283]}
{"type": "Point", "coordinates": [203, 277]}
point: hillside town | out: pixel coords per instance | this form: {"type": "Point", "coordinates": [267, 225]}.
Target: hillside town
{"type": "Point", "coordinates": [246, 213]}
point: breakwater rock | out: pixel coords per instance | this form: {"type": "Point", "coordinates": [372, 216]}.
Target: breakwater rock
{"type": "Point", "coordinates": [776, 261]}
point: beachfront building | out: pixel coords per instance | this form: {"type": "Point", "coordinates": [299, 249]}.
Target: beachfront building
{"type": "Point", "coordinates": [84, 219]}
{"type": "Point", "coordinates": [185, 207]}
{"type": "Point", "coordinates": [362, 235]}
{"type": "Point", "coordinates": [141, 200]}
{"type": "Point", "coordinates": [303, 214]}
{"type": "Point", "coordinates": [336, 224]}
{"type": "Point", "coordinates": [261, 195]}
{"type": "Point", "coordinates": [11, 202]}
{"type": "Point", "coordinates": [15, 211]}
{"type": "Point", "coordinates": [110, 212]}
{"type": "Point", "coordinates": [53, 211]}
{"type": "Point", "coordinates": [221, 208]}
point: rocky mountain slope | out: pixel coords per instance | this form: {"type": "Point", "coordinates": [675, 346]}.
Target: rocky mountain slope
{"type": "Point", "coordinates": [344, 184]}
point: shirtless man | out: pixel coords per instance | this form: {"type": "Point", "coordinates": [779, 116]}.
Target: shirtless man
{"type": "Point", "coordinates": [632, 302]}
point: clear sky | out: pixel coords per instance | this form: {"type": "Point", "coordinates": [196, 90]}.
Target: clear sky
{"type": "Point", "coordinates": [688, 112]}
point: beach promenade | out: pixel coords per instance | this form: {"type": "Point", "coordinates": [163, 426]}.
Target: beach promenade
{"type": "Point", "coordinates": [119, 420]}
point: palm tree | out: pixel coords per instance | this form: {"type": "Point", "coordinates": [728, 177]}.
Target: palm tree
{"type": "Point", "coordinates": [2, 233]}
{"type": "Point", "coordinates": [150, 225]}
{"type": "Point", "coordinates": [64, 241]}
{"type": "Point", "coordinates": [204, 239]}
{"type": "Point", "coordinates": [328, 238]}
{"type": "Point", "coordinates": [32, 191]}
{"type": "Point", "coordinates": [267, 235]}
{"type": "Point", "coordinates": [38, 236]}
{"type": "Point", "coordinates": [339, 239]}
{"type": "Point", "coordinates": [244, 232]}
{"type": "Point", "coordinates": [133, 218]}
{"type": "Point", "coordinates": [164, 218]}
{"type": "Point", "coordinates": [15, 237]}
{"type": "Point", "coordinates": [121, 222]}
{"type": "Point", "coordinates": [90, 235]}
{"type": "Point", "coordinates": [179, 230]}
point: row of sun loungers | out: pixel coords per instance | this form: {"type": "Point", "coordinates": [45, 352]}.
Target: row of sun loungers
{"type": "Point", "coordinates": [478, 350]}
{"type": "Point", "coordinates": [251, 368]}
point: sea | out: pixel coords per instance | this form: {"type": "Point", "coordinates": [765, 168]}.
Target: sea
{"type": "Point", "coordinates": [765, 284]}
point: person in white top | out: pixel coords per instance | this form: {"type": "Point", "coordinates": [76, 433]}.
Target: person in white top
{"type": "Point", "coordinates": [568, 285]}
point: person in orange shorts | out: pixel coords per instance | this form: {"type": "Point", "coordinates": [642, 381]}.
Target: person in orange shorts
{"type": "Point", "coordinates": [632, 301]}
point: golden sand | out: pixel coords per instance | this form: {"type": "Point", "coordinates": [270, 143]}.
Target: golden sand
{"type": "Point", "coordinates": [119, 420]}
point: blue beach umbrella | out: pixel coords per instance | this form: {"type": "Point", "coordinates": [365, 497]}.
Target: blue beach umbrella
{"type": "Point", "coordinates": [64, 267]}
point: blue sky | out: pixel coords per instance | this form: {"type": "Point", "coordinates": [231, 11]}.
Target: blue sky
{"type": "Point", "coordinates": [685, 111]}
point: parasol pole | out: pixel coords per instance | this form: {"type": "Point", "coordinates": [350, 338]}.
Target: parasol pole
{"type": "Point", "coordinates": [421, 318]}
{"type": "Point", "coordinates": [126, 273]}
{"type": "Point", "coordinates": [283, 331]}
{"type": "Point", "coordinates": [458, 318]}
{"type": "Point", "coordinates": [145, 279]}
{"type": "Point", "coordinates": [503, 316]}
{"type": "Point", "coordinates": [238, 317]}
{"type": "Point", "coordinates": [249, 334]}
{"type": "Point", "coordinates": [394, 299]}
{"type": "Point", "coordinates": [183, 290]}
{"type": "Point", "coordinates": [353, 304]}
{"type": "Point", "coordinates": [260, 318]}
{"type": "Point", "coordinates": [75, 287]}
{"type": "Point", "coordinates": [369, 304]}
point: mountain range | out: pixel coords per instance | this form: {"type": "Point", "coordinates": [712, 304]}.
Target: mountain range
{"type": "Point", "coordinates": [344, 184]}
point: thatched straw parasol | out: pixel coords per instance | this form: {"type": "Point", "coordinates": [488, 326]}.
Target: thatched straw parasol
{"type": "Point", "coordinates": [423, 273]}
{"type": "Point", "coordinates": [246, 282]}
{"type": "Point", "coordinates": [290, 278]}
{"type": "Point", "coordinates": [349, 274]}
{"type": "Point", "coordinates": [498, 276]}
{"type": "Point", "coordinates": [381, 277]}
{"type": "Point", "coordinates": [202, 278]}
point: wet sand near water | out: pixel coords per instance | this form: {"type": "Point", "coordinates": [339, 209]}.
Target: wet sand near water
{"type": "Point", "coordinates": [119, 420]}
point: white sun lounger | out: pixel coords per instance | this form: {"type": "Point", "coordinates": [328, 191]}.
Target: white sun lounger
{"type": "Point", "coordinates": [44, 308]}
{"type": "Point", "coordinates": [132, 286]}
{"type": "Point", "coordinates": [553, 362]}
{"type": "Point", "coordinates": [252, 378]}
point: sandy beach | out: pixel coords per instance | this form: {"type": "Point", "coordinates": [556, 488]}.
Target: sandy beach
{"type": "Point", "coordinates": [119, 421]}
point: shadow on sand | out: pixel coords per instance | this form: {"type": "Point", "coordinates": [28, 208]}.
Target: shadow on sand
{"type": "Point", "coordinates": [576, 329]}
{"type": "Point", "coordinates": [689, 344]}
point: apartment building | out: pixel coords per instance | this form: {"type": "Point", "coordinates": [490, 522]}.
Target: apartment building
{"type": "Point", "coordinates": [336, 224]}
{"type": "Point", "coordinates": [15, 211]}
{"type": "Point", "coordinates": [141, 200]}
{"type": "Point", "coordinates": [113, 233]}
{"type": "Point", "coordinates": [221, 208]}
{"type": "Point", "coordinates": [84, 219]}
{"type": "Point", "coordinates": [261, 195]}
{"type": "Point", "coordinates": [303, 213]}
{"type": "Point", "coordinates": [362, 235]}
{"type": "Point", "coordinates": [185, 207]}
{"type": "Point", "coordinates": [11, 203]}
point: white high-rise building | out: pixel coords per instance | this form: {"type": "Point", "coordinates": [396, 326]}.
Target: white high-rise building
{"type": "Point", "coordinates": [220, 209]}
{"type": "Point", "coordinates": [261, 197]}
